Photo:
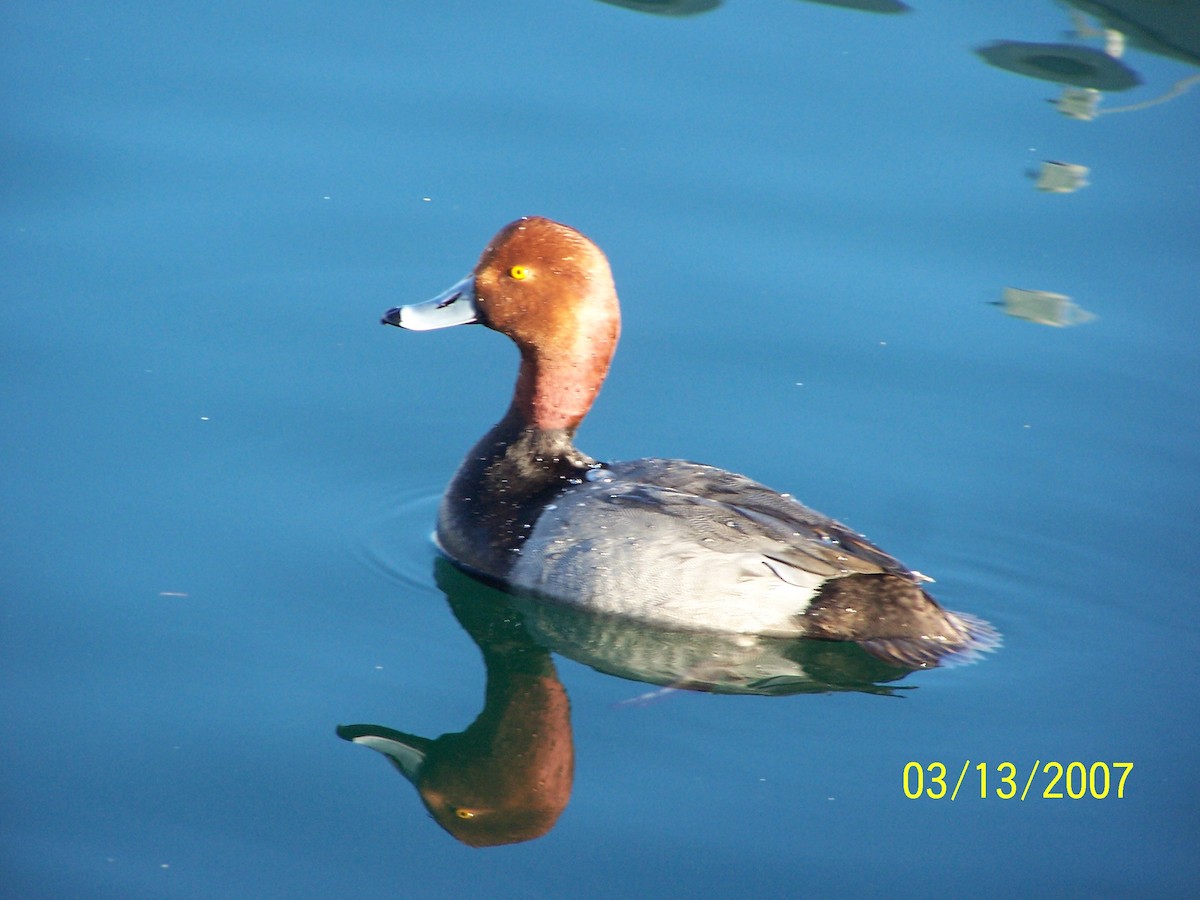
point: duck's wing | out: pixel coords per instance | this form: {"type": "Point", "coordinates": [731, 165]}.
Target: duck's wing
{"type": "Point", "coordinates": [732, 513]}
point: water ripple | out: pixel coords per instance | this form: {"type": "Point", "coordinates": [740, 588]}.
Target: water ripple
{"type": "Point", "coordinates": [395, 539]}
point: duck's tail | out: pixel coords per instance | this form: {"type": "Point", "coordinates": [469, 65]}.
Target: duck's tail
{"type": "Point", "coordinates": [892, 618]}
{"type": "Point", "coordinates": [965, 640]}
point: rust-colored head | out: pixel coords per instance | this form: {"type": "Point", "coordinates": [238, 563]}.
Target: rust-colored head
{"type": "Point", "coordinates": [547, 287]}
{"type": "Point", "coordinates": [550, 289]}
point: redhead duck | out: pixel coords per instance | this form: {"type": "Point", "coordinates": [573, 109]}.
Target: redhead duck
{"type": "Point", "coordinates": [675, 544]}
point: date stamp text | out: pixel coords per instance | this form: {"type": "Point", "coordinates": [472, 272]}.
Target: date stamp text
{"type": "Point", "coordinates": [1051, 780]}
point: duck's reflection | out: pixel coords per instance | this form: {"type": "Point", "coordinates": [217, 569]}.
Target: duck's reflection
{"type": "Point", "coordinates": [508, 776]}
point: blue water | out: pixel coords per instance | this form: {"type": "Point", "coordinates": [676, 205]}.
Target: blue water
{"type": "Point", "coordinates": [220, 473]}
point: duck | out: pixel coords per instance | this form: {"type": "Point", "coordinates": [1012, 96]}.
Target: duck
{"type": "Point", "coordinates": [677, 545]}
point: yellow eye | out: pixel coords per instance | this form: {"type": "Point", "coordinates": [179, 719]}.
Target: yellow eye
{"type": "Point", "coordinates": [464, 813]}
{"type": "Point", "coordinates": [519, 273]}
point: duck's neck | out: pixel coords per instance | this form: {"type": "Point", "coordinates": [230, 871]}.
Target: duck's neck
{"type": "Point", "coordinates": [500, 489]}
{"type": "Point", "coordinates": [556, 388]}
{"type": "Point", "coordinates": [529, 455]}
{"type": "Point", "coordinates": [516, 457]}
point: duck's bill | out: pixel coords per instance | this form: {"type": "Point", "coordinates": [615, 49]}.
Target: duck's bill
{"type": "Point", "coordinates": [406, 751]}
{"type": "Point", "coordinates": [455, 306]}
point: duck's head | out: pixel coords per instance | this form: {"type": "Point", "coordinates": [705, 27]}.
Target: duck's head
{"type": "Point", "coordinates": [550, 289]}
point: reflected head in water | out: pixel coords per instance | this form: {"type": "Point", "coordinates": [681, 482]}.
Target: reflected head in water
{"type": "Point", "coordinates": [508, 776]}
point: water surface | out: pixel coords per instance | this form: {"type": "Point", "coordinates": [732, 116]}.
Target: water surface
{"type": "Point", "coordinates": [221, 473]}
